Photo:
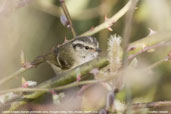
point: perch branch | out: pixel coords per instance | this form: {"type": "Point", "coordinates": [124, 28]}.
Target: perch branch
{"type": "Point", "coordinates": [66, 78]}
{"type": "Point", "coordinates": [75, 84]}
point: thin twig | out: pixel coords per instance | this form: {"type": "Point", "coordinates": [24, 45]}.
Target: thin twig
{"type": "Point", "coordinates": [150, 105]}
{"type": "Point", "coordinates": [18, 72]}
{"type": "Point", "coordinates": [66, 12]}
{"type": "Point", "coordinates": [149, 48]}
{"type": "Point", "coordinates": [109, 22]}
{"type": "Point", "coordinates": [149, 41]}
{"type": "Point", "coordinates": [157, 63]}
{"type": "Point", "coordinates": [24, 67]}
{"type": "Point", "coordinates": [75, 84]}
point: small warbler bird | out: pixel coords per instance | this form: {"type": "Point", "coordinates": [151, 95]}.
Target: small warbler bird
{"type": "Point", "coordinates": [71, 54]}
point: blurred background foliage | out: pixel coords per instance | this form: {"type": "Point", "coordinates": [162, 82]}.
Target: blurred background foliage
{"type": "Point", "coordinates": [34, 26]}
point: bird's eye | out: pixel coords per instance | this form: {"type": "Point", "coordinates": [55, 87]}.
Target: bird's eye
{"type": "Point", "coordinates": [77, 45]}
{"type": "Point", "coordinates": [86, 47]}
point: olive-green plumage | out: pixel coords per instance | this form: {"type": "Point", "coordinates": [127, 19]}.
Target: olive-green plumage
{"type": "Point", "coordinates": [71, 54]}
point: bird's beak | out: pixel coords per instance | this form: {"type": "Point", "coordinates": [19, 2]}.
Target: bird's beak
{"type": "Point", "coordinates": [98, 50]}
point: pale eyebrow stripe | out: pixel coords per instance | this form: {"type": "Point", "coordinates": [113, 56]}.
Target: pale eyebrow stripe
{"type": "Point", "coordinates": [78, 42]}
{"type": "Point", "coordinates": [85, 44]}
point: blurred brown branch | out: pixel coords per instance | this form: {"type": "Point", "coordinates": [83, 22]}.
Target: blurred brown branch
{"type": "Point", "coordinates": [150, 105]}
{"type": "Point", "coordinates": [54, 10]}
{"type": "Point", "coordinates": [66, 12]}
{"type": "Point", "coordinates": [127, 31]}
{"type": "Point", "coordinates": [165, 59]}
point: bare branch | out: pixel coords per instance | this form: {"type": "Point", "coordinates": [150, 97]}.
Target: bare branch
{"type": "Point", "coordinates": [167, 58]}
{"type": "Point", "coordinates": [110, 21]}
{"type": "Point", "coordinates": [161, 44]}
{"type": "Point", "coordinates": [149, 41]}
{"type": "Point", "coordinates": [66, 12]}
{"type": "Point", "coordinates": [150, 105]}
{"type": "Point", "coordinates": [18, 72]}
{"type": "Point", "coordinates": [75, 84]}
